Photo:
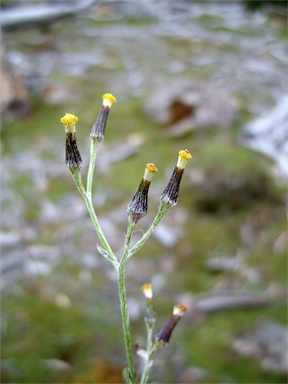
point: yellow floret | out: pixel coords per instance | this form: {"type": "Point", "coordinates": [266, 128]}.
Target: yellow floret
{"type": "Point", "coordinates": [69, 121]}
{"type": "Point", "coordinates": [149, 171]}
{"type": "Point", "coordinates": [179, 310]}
{"type": "Point", "coordinates": [184, 157]}
{"type": "Point", "coordinates": [108, 100]}
{"type": "Point", "coordinates": [147, 290]}
{"type": "Point", "coordinates": [151, 168]}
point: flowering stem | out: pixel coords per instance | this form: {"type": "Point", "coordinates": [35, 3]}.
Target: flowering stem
{"type": "Point", "coordinates": [149, 362]}
{"type": "Point", "coordinates": [125, 321]}
{"type": "Point", "coordinates": [76, 174]}
{"type": "Point", "coordinates": [88, 200]}
{"type": "Point", "coordinates": [130, 230]}
{"type": "Point", "coordinates": [123, 302]}
{"type": "Point", "coordinates": [93, 152]}
{"type": "Point", "coordinates": [99, 231]}
{"type": "Point", "coordinates": [160, 215]}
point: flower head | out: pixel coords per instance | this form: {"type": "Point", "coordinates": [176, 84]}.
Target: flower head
{"type": "Point", "coordinates": [183, 158]}
{"type": "Point", "coordinates": [150, 170]}
{"type": "Point", "coordinates": [98, 128]}
{"type": "Point", "coordinates": [108, 100]}
{"type": "Point", "coordinates": [164, 335]}
{"type": "Point", "coordinates": [169, 197]}
{"type": "Point", "coordinates": [69, 122]}
{"type": "Point", "coordinates": [138, 206]}
{"type": "Point", "coordinates": [73, 158]}
{"type": "Point", "coordinates": [179, 310]}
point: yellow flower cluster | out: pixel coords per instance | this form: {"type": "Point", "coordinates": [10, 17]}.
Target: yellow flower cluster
{"type": "Point", "coordinates": [149, 171]}
{"type": "Point", "coordinates": [184, 157]}
{"type": "Point", "coordinates": [69, 121]}
{"type": "Point", "coordinates": [108, 100]}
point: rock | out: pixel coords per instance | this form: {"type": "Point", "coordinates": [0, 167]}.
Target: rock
{"type": "Point", "coordinates": [186, 106]}
{"type": "Point", "coordinates": [42, 13]}
{"type": "Point", "coordinates": [268, 343]}
{"type": "Point", "coordinates": [268, 134]}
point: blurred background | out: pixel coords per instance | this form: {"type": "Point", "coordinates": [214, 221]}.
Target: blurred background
{"type": "Point", "coordinates": [207, 76]}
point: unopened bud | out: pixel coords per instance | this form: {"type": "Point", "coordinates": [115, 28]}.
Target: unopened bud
{"type": "Point", "coordinates": [72, 156]}
{"type": "Point", "coordinates": [98, 128]}
{"type": "Point", "coordinates": [169, 197]}
{"type": "Point", "coordinates": [147, 290]}
{"type": "Point", "coordinates": [150, 316]}
{"type": "Point", "coordinates": [164, 335]}
{"type": "Point", "coordinates": [138, 206]}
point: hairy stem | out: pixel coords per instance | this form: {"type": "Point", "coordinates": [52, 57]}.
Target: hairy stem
{"type": "Point", "coordinates": [160, 215]}
{"type": "Point", "coordinates": [88, 200]}
{"type": "Point", "coordinates": [93, 152]}
{"type": "Point", "coordinates": [123, 302]}
{"type": "Point", "coordinates": [99, 231]}
{"type": "Point", "coordinates": [125, 321]}
{"type": "Point", "coordinates": [149, 362]}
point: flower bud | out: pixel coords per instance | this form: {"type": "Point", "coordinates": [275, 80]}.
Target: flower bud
{"type": "Point", "coordinates": [164, 335]}
{"type": "Point", "coordinates": [147, 291]}
{"type": "Point", "coordinates": [150, 316]}
{"type": "Point", "coordinates": [98, 128]}
{"type": "Point", "coordinates": [72, 157]}
{"type": "Point", "coordinates": [169, 197]}
{"type": "Point", "coordinates": [138, 206]}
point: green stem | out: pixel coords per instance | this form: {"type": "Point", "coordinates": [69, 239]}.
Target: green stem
{"type": "Point", "coordinates": [99, 231]}
{"type": "Point", "coordinates": [76, 174]}
{"type": "Point", "coordinates": [160, 215]}
{"type": "Point", "coordinates": [93, 152]}
{"type": "Point", "coordinates": [88, 200]}
{"type": "Point", "coordinates": [123, 302]}
{"type": "Point", "coordinates": [130, 229]}
{"type": "Point", "coordinates": [125, 321]}
{"type": "Point", "coordinates": [149, 362]}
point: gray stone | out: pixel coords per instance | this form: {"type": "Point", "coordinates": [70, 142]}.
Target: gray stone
{"type": "Point", "coordinates": [186, 106]}
{"type": "Point", "coordinates": [268, 343]}
{"type": "Point", "coordinates": [268, 134]}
